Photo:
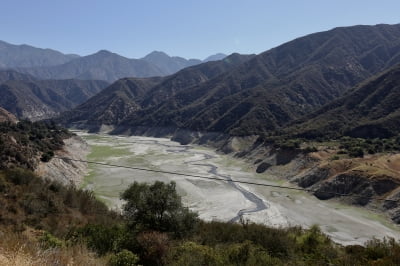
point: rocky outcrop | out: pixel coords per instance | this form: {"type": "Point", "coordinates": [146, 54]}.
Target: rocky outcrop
{"type": "Point", "coordinates": [65, 171]}
{"type": "Point", "coordinates": [262, 167]}
{"type": "Point", "coordinates": [311, 177]}
{"type": "Point", "coordinates": [372, 182]}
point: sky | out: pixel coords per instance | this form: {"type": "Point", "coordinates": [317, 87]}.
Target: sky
{"type": "Point", "coordinates": [187, 28]}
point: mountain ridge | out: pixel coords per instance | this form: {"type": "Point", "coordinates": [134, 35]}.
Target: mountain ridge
{"type": "Point", "coordinates": [150, 92]}
{"type": "Point", "coordinates": [369, 110]}
{"type": "Point", "coordinates": [279, 85]}
{"type": "Point", "coordinates": [29, 98]}
{"type": "Point", "coordinates": [102, 65]}
{"type": "Point", "coordinates": [23, 55]}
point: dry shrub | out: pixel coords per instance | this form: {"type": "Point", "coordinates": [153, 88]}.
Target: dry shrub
{"type": "Point", "coordinates": [18, 250]}
{"type": "Point", "coordinates": [154, 247]}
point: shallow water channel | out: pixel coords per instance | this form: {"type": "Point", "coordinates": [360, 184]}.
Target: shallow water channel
{"type": "Point", "coordinates": [221, 200]}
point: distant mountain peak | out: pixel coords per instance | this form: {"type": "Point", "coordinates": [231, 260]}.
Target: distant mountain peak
{"type": "Point", "coordinates": [156, 55]}
{"type": "Point", "coordinates": [215, 57]}
{"type": "Point", "coordinates": [104, 52]}
{"type": "Point", "coordinates": [169, 64]}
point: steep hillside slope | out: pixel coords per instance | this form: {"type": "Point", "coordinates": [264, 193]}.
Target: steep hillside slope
{"type": "Point", "coordinates": [6, 116]}
{"type": "Point", "coordinates": [43, 99]}
{"type": "Point", "coordinates": [111, 105]}
{"type": "Point", "coordinates": [371, 110]}
{"type": "Point", "coordinates": [6, 75]}
{"type": "Point", "coordinates": [127, 96]}
{"type": "Point", "coordinates": [279, 85]}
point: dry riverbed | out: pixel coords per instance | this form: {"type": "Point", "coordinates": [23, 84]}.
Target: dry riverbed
{"type": "Point", "coordinates": [222, 200]}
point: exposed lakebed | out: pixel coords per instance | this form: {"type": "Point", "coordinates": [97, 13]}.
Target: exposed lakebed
{"type": "Point", "coordinates": [221, 200]}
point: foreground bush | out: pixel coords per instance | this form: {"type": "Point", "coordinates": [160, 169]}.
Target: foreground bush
{"type": "Point", "coordinates": [157, 207]}
{"type": "Point", "coordinates": [28, 200]}
{"type": "Point", "coordinates": [146, 235]}
{"type": "Point", "coordinates": [16, 249]}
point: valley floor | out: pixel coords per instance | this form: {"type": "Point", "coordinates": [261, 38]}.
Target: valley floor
{"type": "Point", "coordinates": [222, 200]}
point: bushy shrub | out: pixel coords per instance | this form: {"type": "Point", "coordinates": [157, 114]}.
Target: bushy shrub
{"type": "Point", "coordinates": [47, 240]}
{"type": "Point", "coordinates": [191, 253]}
{"type": "Point", "coordinates": [356, 152]}
{"type": "Point", "coordinates": [157, 207]}
{"type": "Point", "coordinates": [102, 239]}
{"type": "Point", "coordinates": [153, 247]}
{"type": "Point", "coordinates": [124, 258]}
{"type": "Point", "coordinates": [47, 156]}
{"type": "Point", "coordinates": [20, 176]}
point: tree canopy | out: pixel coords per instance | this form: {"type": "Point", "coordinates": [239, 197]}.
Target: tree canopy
{"type": "Point", "coordinates": [157, 207]}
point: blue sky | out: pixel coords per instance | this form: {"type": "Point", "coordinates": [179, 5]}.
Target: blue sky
{"type": "Point", "coordinates": [188, 28]}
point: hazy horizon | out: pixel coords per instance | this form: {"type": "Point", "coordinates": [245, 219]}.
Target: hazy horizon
{"type": "Point", "coordinates": [188, 29]}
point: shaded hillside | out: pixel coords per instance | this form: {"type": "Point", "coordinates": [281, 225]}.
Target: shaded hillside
{"type": "Point", "coordinates": [43, 99]}
{"type": "Point", "coordinates": [102, 65]}
{"type": "Point", "coordinates": [111, 105]}
{"type": "Point", "coordinates": [279, 85]}
{"type": "Point", "coordinates": [370, 110]}
{"type": "Point", "coordinates": [27, 56]}
{"type": "Point", "coordinates": [169, 64]}
{"type": "Point", "coordinates": [127, 96]}
{"type": "Point", "coordinates": [6, 75]}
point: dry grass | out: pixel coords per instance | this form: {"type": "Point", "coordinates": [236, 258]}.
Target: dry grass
{"type": "Point", "coordinates": [370, 166]}
{"type": "Point", "coordinates": [18, 250]}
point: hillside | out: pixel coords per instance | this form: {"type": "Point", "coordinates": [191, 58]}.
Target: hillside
{"type": "Point", "coordinates": [370, 110]}
{"type": "Point", "coordinates": [127, 96]}
{"type": "Point", "coordinates": [272, 89]}
{"type": "Point", "coordinates": [39, 99]}
{"type": "Point", "coordinates": [6, 75]}
{"type": "Point", "coordinates": [25, 144]}
{"type": "Point", "coordinates": [12, 56]}
{"type": "Point", "coordinates": [6, 116]}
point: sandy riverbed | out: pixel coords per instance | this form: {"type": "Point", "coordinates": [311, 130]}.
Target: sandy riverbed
{"type": "Point", "coordinates": [221, 200]}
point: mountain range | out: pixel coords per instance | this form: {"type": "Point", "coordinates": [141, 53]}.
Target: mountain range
{"type": "Point", "coordinates": [258, 95]}
{"type": "Point", "coordinates": [28, 56]}
{"type": "Point", "coordinates": [103, 65]}
{"type": "Point", "coordinates": [127, 96]}
{"type": "Point", "coordinates": [27, 97]}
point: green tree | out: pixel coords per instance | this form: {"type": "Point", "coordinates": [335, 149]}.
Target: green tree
{"type": "Point", "coordinates": [157, 207]}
